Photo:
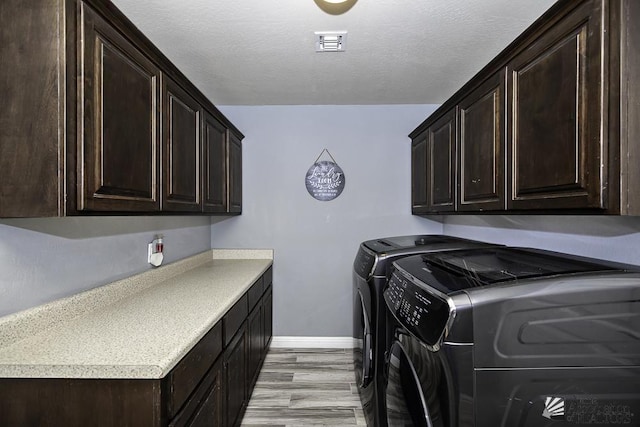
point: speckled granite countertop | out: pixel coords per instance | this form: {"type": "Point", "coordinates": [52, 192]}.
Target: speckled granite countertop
{"type": "Point", "coordinates": [137, 328]}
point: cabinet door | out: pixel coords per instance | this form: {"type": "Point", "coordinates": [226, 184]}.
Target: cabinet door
{"type": "Point", "coordinates": [419, 199]}
{"type": "Point", "coordinates": [214, 166]}
{"type": "Point", "coordinates": [235, 368]}
{"type": "Point", "coordinates": [235, 174]}
{"type": "Point", "coordinates": [255, 337]}
{"type": "Point", "coordinates": [557, 115]}
{"type": "Point", "coordinates": [181, 154]}
{"type": "Point", "coordinates": [267, 312]}
{"type": "Point", "coordinates": [441, 163]}
{"type": "Point", "coordinates": [205, 407]}
{"type": "Point", "coordinates": [185, 378]}
{"type": "Point", "coordinates": [31, 118]}
{"type": "Point", "coordinates": [481, 147]}
{"type": "Point", "coordinates": [118, 152]}
{"type": "Point", "coordinates": [209, 414]}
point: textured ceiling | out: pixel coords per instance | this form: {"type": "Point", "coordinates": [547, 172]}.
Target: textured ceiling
{"type": "Point", "coordinates": [262, 52]}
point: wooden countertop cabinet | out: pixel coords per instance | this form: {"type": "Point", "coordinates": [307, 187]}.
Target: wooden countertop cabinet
{"type": "Point", "coordinates": [184, 378]}
{"type": "Point", "coordinates": [206, 406]}
{"type": "Point", "coordinates": [247, 348]}
{"type": "Point", "coordinates": [209, 386]}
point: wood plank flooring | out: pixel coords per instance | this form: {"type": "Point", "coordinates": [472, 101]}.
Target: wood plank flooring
{"type": "Point", "coordinates": [300, 387]}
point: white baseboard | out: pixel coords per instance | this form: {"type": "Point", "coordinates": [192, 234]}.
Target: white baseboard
{"type": "Point", "coordinates": [312, 342]}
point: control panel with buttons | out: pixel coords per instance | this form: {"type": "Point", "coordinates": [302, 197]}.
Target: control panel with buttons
{"type": "Point", "coordinates": [421, 312]}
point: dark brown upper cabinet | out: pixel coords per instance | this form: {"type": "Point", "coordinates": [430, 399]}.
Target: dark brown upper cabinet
{"type": "Point", "coordinates": [433, 166]}
{"type": "Point", "coordinates": [118, 157]}
{"type": "Point", "coordinates": [481, 147]}
{"type": "Point", "coordinates": [99, 122]}
{"type": "Point", "coordinates": [550, 125]}
{"type": "Point", "coordinates": [31, 143]}
{"type": "Point", "coordinates": [441, 165]}
{"type": "Point", "coordinates": [214, 166]}
{"type": "Point", "coordinates": [419, 198]}
{"type": "Point", "coordinates": [556, 116]}
{"type": "Point", "coordinates": [235, 173]}
{"type": "Point", "coordinates": [181, 150]}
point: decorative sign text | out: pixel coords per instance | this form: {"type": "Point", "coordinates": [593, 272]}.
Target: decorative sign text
{"type": "Point", "coordinates": [325, 180]}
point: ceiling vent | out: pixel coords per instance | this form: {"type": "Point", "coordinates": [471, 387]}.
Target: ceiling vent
{"type": "Point", "coordinates": [331, 41]}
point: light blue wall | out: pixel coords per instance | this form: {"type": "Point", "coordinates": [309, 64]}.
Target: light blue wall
{"type": "Point", "coordinates": [45, 259]}
{"type": "Point", "coordinates": [606, 237]}
{"type": "Point", "coordinates": [315, 242]}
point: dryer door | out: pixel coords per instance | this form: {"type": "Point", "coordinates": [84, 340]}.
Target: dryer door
{"type": "Point", "coordinates": [363, 352]}
{"type": "Point", "coordinates": [413, 383]}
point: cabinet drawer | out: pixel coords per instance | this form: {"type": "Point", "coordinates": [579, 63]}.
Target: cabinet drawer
{"type": "Point", "coordinates": [255, 292]}
{"type": "Point", "coordinates": [234, 318]}
{"type": "Point", "coordinates": [184, 378]}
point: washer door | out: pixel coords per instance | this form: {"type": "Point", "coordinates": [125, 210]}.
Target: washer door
{"type": "Point", "coordinates": [363, 351]}
{"type": "Point", "coordinates": [413, 379]}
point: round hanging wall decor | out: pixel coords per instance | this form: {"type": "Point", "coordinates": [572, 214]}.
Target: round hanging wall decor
{"type": "Point", "coordinates": [325, 179]}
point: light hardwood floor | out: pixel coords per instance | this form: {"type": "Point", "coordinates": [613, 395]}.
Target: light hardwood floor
{"type": "Point", "coordinates": [299, 387]}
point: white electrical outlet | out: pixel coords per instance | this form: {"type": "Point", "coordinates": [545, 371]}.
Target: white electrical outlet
{"type": "Point", "coordinates": [155, 251]}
